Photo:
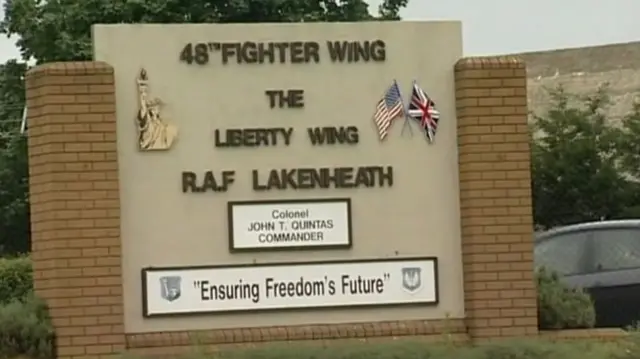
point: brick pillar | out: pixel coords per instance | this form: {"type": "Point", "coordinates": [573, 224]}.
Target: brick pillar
{"type": "Point", "coordinates": [75, 207]}
{"type": "Point", "coordinates": [495, 197]}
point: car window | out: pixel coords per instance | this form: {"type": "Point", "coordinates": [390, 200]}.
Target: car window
{"type": "Point", "coordinates": [617, 249]}
{"type": "Point", "coordinates": [564, 253]}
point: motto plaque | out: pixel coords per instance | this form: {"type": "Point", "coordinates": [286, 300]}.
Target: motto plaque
{"type": "Point", "coordinates": [384, 282]}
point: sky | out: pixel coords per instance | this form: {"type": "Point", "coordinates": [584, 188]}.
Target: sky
{"type": "Point", "coordinates": [509, 26]}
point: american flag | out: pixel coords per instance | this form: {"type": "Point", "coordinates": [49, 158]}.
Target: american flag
{"type": "Point", "coordinates": [423, 109]}
{"type": "Point", "coordinates": [388, 109]}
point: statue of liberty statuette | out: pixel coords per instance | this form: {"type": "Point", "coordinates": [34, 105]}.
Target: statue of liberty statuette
{"type": "Point", "coordinates": [153, 132]}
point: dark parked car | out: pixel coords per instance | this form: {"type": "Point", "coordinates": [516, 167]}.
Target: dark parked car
{"type": "Point", "coordinates": [604, 259]}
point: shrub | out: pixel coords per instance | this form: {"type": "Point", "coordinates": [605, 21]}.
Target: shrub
{"type": "Point", "coordinates": [561, 307]}
{"type": "Point", "coordinates": [16, 279]}
{"type": "Point", "coordinates": [26, 329]}
{"type": "Point", "coordinates": [25, 326]}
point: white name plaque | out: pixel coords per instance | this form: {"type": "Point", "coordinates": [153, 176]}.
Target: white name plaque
{"type": "Point", "coordinates": [310, 224]}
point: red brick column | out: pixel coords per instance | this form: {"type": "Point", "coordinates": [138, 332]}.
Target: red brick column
{"type": "Point", "coordinates": [495, 197]}
{"type": "Point", "coordinates": [75, 207]}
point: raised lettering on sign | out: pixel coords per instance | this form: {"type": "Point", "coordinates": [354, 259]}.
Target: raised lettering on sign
{"type": "Point", "coordinates": [333, 135]}
{"type": "Point", "coordinates": [250, 52]}
{"type": "Point", "coordinates": [208, 182]}
{"type": "Point", "coordinates": [253, 137]}
{"type": "Point", "coordinates": [285, 98]}
{"type": "Point", "coordinates": [357, 51]}
{"type": "Point", "coordinates": [324, 178]}
{"type": "Point", "coordinates": [294, 52]}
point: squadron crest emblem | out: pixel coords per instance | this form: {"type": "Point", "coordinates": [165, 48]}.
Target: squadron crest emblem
{"type": "Point", "coordinates": [412, 279]}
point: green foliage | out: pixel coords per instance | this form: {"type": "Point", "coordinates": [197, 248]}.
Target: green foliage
{"type": "Point", "coordinates": [16, 279]}
{"type": "Point", "coordinates": [576, 162]}
{"type": "Point", "coordinates": [629, 144]}
{"type": "Point", "coordinates": [14, 205]}
{"type": "Point", "coordinates": [629, 147]}
{"type": "Point", "coordinates": [25, 326]}
{"type": "Point", "coordinates": [14, 202]}
{"type": "Point", "coordinates": [561, 307]}
{"type": "Point", "coordinates": [26, 330]}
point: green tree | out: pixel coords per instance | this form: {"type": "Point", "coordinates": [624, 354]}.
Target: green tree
{"type": "Point", "coordinates": [60, 30]}
{"type": "Point", "coordinates": [629, 147]}
{"type": "Point", "coordinates": [630, 142]}
{"type": "Point", "coordinates": [14, 206]}
{"type": "Point", "coordinates": [576, 162]}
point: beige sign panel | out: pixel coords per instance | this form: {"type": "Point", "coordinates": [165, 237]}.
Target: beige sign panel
{"type": "Point", "coordinates": [212, 114]}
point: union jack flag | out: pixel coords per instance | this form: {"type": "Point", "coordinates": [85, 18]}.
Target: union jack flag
{"type": "Point", "coordinates": [423, 109]}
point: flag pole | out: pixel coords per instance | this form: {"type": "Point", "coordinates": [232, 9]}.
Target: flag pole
{"type": "Point", "coordinates": [23, 123]}
{"type": "Point", "coordinates": [405, 112]}
{"type": "Point", "coordinates": [425, 127]}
